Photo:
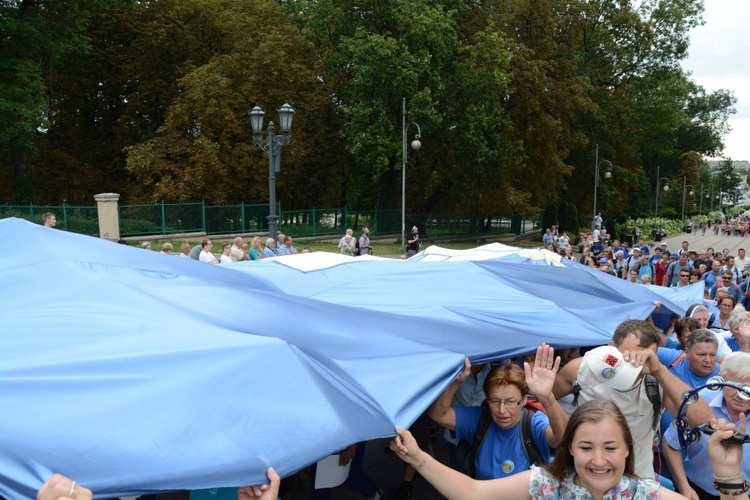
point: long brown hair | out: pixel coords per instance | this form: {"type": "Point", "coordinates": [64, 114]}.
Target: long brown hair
{"type": "Point", "coordinates": [590, 412]}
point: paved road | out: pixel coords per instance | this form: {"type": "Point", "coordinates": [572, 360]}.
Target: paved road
{"type": "Point", "coordinates": [698, 242]}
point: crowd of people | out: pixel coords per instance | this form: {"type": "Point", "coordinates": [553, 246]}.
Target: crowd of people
{"type": "Point", "coordinates": [601, 422]}
{"type": "Point", "coordinates": [237, 251]}
{"type": "Point", "coordinates": [656, 264]}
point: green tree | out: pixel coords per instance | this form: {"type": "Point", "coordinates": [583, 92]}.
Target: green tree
{"type": "Point", "coordinates": [37, 38]}
{"type": "Point", "coordinates": [728, 182]}
{"type": "Point", "coordinates": [233, 55]}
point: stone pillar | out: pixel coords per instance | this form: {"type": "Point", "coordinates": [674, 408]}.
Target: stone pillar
{"type": "Point", "coordinates": [109, 216]}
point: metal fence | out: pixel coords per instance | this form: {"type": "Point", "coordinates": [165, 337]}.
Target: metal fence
{"type": "Point", "coordinates": [76, 219]}
{"type": "Point", "coordinates": [176, 218]}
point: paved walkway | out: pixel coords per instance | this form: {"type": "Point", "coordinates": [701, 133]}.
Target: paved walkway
{"type": "Point", "coordinates": [698, 242]}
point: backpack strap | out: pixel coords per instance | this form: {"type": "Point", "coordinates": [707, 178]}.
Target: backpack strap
{"type": "Point", "coordinates": [485, 419]}
{"type": "Point", "coordinates": [676, 362]}
{"type": "Point", "coordinates": [652, 392]}
{"type": "Point", "coordinates": [576, 390]}
{"type": "Point", "coordinates": [527, 439]}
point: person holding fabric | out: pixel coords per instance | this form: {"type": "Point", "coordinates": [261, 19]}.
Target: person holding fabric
{"type": "Point", "coordinates": [502, 451]}
{"type": "Point", "coordinates": [594, 460]}
{"type": "Point", "coordinates": [59, 487]}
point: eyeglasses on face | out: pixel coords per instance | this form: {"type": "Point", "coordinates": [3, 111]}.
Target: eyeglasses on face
{"type": "Point", "coordinates": [509, 403]}
{"type": "Point", "coordinates": [684, 276]}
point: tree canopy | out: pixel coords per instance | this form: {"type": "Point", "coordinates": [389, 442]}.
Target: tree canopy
{"type": "Point", "coordinates": [150, 99]}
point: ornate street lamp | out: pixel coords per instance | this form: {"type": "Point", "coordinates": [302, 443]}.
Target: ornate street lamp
{"type": "Point", "coordinates": [272, 144]}
{"type": "Point", "coordinates": [684, 190]}
{"type": "Point", "coordinates": [607, 175]}
{"type": "Point", "coordinates": [415, 145]}
{"type": "Point", "coordinates": [666, 188]}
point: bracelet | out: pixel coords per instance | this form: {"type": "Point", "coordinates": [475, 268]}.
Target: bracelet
{"type": "Point", "coordinates": [736, 488]}
{"type": "Point", "coordinates": [421, 464]}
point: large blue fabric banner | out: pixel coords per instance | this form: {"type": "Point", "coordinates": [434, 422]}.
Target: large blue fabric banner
{"type": "Point", "coordinates": [131, 371]}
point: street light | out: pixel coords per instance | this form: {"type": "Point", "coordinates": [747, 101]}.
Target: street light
{"type": "Point", "coordinates": [272, 144]}
{"type": "Point", "coordinates": [666, 188]}
{"type": "Point", "coordinates": [684, 188]}
{"type": "Point", "coordinates": [700, 210]}
{"type": "Point", "coordinates": [607, 175]}
{"type": "Point", "coordinates": [415, 145]}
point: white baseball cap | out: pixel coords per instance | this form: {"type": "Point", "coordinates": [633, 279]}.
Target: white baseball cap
{"type": "Point", "coordinates": [605, 365]}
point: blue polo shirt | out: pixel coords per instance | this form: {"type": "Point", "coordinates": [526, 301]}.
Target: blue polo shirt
{"type": "Point", "coordinates": [501, 454]}
{"type": "Point", "coordinates": [733, 343]}
{"type": "Point", "coordinates": [682, 371]}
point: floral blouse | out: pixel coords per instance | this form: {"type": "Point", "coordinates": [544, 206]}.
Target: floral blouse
{"type": "Point", "coordinates": [544, 486]}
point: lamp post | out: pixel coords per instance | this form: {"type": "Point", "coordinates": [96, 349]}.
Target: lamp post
{"type": "Point", "coordinates": [684, 189]}
{"type": "Point", "coordinates": [272, 144]}
{"type": "Point", "coordinates": [415, 145]}
{"type": "Point", "coordinates": [607, 175]}
{"type": "Point", "coordinates": [666, 188]}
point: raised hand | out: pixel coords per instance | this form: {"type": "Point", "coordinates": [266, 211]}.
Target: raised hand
{"type": "Point", "coordinates": [541, 378]}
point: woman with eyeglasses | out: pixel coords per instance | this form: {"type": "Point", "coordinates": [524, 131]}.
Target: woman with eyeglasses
{"type": "Point", "coordinates": [726, 305]}
{"type": "Point", "coordinates": [502, 452]}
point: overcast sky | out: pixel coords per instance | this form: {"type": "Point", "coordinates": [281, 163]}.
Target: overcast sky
{"type": "Point", "coordinates": [720, 58]}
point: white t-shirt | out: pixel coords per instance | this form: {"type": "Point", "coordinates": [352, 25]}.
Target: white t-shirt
{"type": "Point", "coordinates": [206, 257]}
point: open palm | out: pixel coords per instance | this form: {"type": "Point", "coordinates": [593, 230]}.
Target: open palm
{"type": "Point", "coordinates": [541, 378]}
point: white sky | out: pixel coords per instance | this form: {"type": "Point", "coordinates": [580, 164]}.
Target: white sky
{"type": "Point", "coordinates": [720, 58]}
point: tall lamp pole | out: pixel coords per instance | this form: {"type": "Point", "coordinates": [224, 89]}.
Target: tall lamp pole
{"type": "Point", "coordinates": [272, 144]}
{"type": "Point", "coordinates": [684, 189]}
{"type": "Point", "coordinates": [415, 145]}
{"type": "Point", "coordinates": [712, 197]}
{"type": "Point", "coordinates": [607, 175]}
{"type": "Point", "coordinates": [666, 188]}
